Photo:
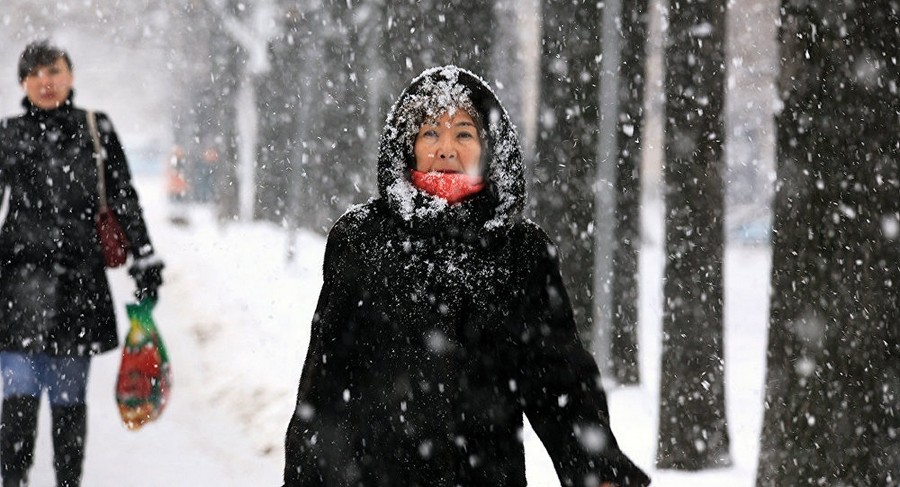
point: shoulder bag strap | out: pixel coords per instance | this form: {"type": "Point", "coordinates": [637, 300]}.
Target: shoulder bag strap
{"type": "Point", "coordinates": [98, 156]}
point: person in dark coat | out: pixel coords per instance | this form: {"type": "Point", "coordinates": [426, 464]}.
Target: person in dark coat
{"type": "Point", "coordinates": [443, 319]}
{"type": "Point", "coordinates": [55, 305]}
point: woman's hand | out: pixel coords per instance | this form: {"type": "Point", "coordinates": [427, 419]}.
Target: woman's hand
{"type": "Point", "coordinates": [147, 274]}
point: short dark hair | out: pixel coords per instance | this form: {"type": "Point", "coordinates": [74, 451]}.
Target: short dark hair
{"type": "Point", "coordinates": [40, 53]}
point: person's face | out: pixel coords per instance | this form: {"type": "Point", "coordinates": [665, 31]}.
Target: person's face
{"type": "Point", "coordinates": [47, 87]}
{"type": "Point", "coordinates": [449, 144]}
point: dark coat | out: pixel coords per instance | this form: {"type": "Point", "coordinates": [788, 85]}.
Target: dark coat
{"type": "Point", "coordinates": [438, 327]}
{"type": "Point", "coordinates": [54, 294]}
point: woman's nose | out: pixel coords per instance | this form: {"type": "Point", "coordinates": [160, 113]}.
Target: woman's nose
{"type": "Point", "coordinates": [445, 149]}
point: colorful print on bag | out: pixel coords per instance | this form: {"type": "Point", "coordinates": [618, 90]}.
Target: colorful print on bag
{"type": "Point", "coordinates": [145, 376]}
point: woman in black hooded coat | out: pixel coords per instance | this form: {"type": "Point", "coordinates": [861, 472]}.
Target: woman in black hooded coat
{"type": "Point", "coordinates": [439, 324]}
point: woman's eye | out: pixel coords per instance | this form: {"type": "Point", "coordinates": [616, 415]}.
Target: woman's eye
{"type": "Point", "coordinates": [465, 135]}
{"type": "Point", "coordinates": [430, 133]}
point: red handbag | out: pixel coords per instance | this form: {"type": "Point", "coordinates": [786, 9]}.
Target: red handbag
{"type": "Point", "coordinates": [113, 240]}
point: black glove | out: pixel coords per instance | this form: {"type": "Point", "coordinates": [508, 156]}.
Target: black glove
{"type": "Point", "coordinates": [147, 274]}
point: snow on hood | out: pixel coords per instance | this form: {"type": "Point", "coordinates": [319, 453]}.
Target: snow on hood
{"type": "Point", "coordinates": [433, 92]}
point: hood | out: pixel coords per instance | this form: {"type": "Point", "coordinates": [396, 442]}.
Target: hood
{"type": "Point", "coordinates": [434, 91]}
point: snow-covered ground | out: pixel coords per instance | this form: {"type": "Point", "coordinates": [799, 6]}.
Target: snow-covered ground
{"type": "Point", "coordinates": [235, 316]}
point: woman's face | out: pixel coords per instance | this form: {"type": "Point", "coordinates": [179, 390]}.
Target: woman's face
{"type": "Point", "coordinates": [449, 143]}
{"type": "Point", "coordinates": [48, 87]}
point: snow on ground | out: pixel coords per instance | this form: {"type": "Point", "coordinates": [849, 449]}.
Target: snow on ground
{"type": "Point", "coordinates": [235, 316]}
{"type": "Point", "coordinates": [216, 311]}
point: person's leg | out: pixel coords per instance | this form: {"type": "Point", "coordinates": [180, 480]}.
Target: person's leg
{"type": "Point", "coordinates": [22, 377]}
{"type": "Point", "coordinates": [66, 383]}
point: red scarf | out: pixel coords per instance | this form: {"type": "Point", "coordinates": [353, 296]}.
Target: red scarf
{"type": "Point", "coordinates": [451, 186]}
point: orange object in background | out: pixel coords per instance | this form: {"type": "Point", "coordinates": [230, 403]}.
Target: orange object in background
{"type": "Point", "coordinates": [176, 183]}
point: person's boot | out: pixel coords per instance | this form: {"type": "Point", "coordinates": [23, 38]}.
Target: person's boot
{"type": "Point", "coordinates": [18, 428]}
{"type": "Point", "coordinates": [69, 432]}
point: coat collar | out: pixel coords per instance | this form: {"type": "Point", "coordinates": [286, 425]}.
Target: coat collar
{"type": "Point", "coordinates": [62, 111]}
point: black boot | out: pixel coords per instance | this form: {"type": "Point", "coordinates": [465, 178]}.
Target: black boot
{"type": "Point", "coordinates": [69, 432]}
{"type": "Point", "coordinates": [18, 427]}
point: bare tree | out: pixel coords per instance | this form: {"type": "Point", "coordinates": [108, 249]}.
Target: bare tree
{"type": "Point", "coordinates": [317, 151]}
{"type": "Point", "coordinates": [204, 113]}
{"type": "Point", "coordinates": [346, 174]}
{"type": "Point", "coordinates": [693, 432]}
{"type": "Point", "coordinates": [278, 98]}
{"type": "Point", "coordinates": [833, 380]}
{"type": "Point", "coordinates": [632, 30]}
{"type": "Point", "coordinates": [240, 39]}
{"type": "Point", "coordinates": [420, 34]}
{"type": "Point", "coordinates": [219, 125]}
{"type": "Point", "coordinates": [567, 144]}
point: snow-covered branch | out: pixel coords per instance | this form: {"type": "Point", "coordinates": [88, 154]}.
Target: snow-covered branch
{"type": "Point", "coordinates": [254, 36]}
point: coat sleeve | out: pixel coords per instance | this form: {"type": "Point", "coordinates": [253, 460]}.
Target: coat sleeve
{"type": "Point", "coordinates": [302, 465]}
{"type": "Point", "coordinates": [560, 384]}
{"type": "Point", "coordinates": [120, 192]}
{"type": "Point", "coordinates": [6, 153]}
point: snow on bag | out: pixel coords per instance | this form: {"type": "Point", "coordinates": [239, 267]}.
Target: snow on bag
{"type": "Point", "coordinates": [145, 376]}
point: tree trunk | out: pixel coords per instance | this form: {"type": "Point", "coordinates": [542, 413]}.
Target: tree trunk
{"type": "Point", "coordinates": [197, 119]}
{"type": "Point", "coordinates": [302, 46]}
{"type": "Point", "coordinates": [507, 59]}
{"type": "Point", "coordinates": [567, 146]}
{"type": "Point", "coordinates": [191, 99]}
{"type": "Point", "coordinates": [278, 132]}
{"type": "Point", "coordinates": [330, 153]}
{"type": "Point", "coordinates": [421, 34]}
{"type": "Point", "coordinates": [693, 432]}
{"type": "Point", "coordinates": [346, 170]}
{"type": "Point", "coordinates": [219, 129]}
{"type": "Point", "coordinates": [627, 236]}
{"type": "Point", "coordinates": [833, 379]}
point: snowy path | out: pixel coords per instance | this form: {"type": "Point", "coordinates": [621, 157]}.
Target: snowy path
{"type": "Point", "coordinates": [236, 320]}
{"type": "Point", "coordinates": [194, 443]}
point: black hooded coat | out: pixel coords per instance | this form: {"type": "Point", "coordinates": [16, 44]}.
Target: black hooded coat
{"type": "Point", "coordinates": [54, 294]}
{"type": "Point", "coordinates": [438, 326]}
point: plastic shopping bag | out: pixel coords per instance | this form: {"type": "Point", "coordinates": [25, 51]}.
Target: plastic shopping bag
{"type": "Point", "coordinates": [145, 376]}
